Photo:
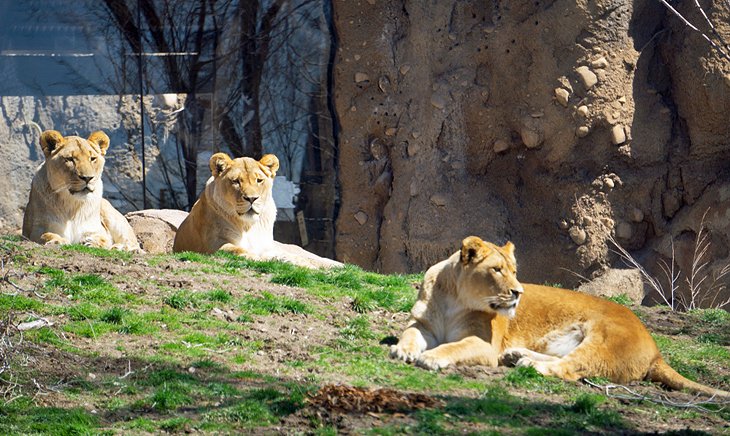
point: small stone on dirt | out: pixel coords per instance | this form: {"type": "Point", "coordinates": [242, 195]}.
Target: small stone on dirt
{"type": "Point", "coordinates": [587, 77]}
{"type": "Point", "coordinates": [618, 135]}
{"type": "Point", "coordinates": [582, 131]}
{"type": "Point", "coordinates": [361, 217]}
{"type": "Point", "coordinates": [562, 95]}
{"type": "Point", "coordinates": [578, 235]}
{"type": "Point", "coordinates": [361, 77]}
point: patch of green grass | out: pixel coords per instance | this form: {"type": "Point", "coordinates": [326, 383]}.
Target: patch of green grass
{"type": "Point", "coordinates": [13, 303]}
{"type": "Point", "coordinates": [99, 252]}
{"type": "Point", "coordinates": [219, 295]}
{"type": "Point", "coordinates": [115, 315]}
{"type": "Point", "coordinates": [712, 316]}
{"type": "Point", "coordinates": [189, 256]}
{"type": "Point", "coordinates": [175, 425]}
{"type": "Point", "coordinates": [358, 328]}
{"type": "Point", "coordinates": [267, 303]}
{"type": "Point", "coordinates": [528, 378]}
{"type": "Point", "coordinates": [22, 417]}
{"type": "Point", "coordinates": [180, 300]}
{"type": "Point", "coordinates": [695, 360]}
{"type": "Point", "coordinates": [86, 287]}
{"type": "Point", "coordinates": [621, 299]}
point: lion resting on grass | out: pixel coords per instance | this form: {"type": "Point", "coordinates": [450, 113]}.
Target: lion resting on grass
{"type": "Point", "coordinates": [472, 310]}
{"type": "Point", "coordinates": [236, 213]}
{"type": "Point", "coordinates": [66, 204]}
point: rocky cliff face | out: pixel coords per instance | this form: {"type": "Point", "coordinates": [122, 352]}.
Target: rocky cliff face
{"type": "Point", "coordinates": [553, 124]}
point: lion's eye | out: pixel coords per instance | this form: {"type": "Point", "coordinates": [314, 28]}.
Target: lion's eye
{"type": "Point", "coordinates": [259, 181]}
{"type": "Point", "coordinates": [92, 158]}
{"type": "Point", "coordinates": [236, 183]}
{"type": "Point", "coordinates": [69, 159]}
{"type": "Point", "coordinates": [497, 270]}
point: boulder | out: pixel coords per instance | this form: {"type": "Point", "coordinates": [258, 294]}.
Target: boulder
{"type": "Point", "coordinates": [615, 282]}
{"type": "Point", "coordinates": [156, 228]}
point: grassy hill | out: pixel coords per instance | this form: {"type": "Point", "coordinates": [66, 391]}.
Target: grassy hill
{"type": "Point", "coordinates": [134, 344]}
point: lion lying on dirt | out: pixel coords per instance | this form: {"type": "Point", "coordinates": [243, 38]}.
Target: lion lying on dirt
{"type": "Point", "coordinates": [236, 213]}
{"type": "Point", "coordinates": [66, 204]}
{"type": "Point", "coordinates": [472, 310]}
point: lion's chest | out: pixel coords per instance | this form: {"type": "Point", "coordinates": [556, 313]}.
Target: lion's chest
{"type": "Point", "coordinates": [256, 242]}
{"type": "Point", "coordinates": [74, 223]}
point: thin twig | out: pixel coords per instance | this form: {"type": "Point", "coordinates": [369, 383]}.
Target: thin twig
{"type": "Point", "coordinates": [632, 395]}
{"type": "Point", "coordinates": [691, 26]}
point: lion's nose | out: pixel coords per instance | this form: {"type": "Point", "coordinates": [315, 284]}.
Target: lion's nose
{"type": "Point", "coordinates": [250, 199]}
{"type": "Point", "coordinates": [86, 179]}
{"type": "Point", "coordinates": [516, 292]}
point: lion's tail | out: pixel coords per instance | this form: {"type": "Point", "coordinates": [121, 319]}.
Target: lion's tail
{"type": "Point", "coordinates": [661, 372]}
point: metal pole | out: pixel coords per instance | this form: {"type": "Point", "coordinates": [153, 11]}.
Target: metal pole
{"type": "Point", "coordinates": [140, 68]}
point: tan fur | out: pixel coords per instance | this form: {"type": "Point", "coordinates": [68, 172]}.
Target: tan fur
{"type": "Point", "coordinates": [465, 315]}
{"type": "Point", "coordinates": [236, 213]}
{"type": "Point", "coordinates": [66, 204]}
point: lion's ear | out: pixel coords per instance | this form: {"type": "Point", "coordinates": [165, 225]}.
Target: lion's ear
{"type": "Point", "coordinates": [473, 249]}
{"type": "Point", "coordinates": [271, 162]}
{"type": "Point", "coordinates": [50, 141]}
{"type": "Point", "coordinates": [101, 139]}
{"type": "Point", "coordinates": [509, 248]}
{"type": "Point", "coordinates": [219, 162]}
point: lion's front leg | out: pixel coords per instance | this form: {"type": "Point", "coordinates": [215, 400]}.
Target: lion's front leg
{"type": "Point", "coordinates": [50, 238]}
{"type": "Point", "coordinates": [471, 350]}
{"type": "Point", "coordinates": [414, 340]}
{"type": "Point", "coordinates": [239, 251]}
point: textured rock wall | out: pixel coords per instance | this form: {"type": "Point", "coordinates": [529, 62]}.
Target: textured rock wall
{"type": "Point", "coordinates": [552, 124]}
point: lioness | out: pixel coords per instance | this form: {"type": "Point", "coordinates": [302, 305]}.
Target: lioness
{"type": "Point", "coordinates": [472, 310]}
{"type": "Point", "coordinates": [66, 204]}
{"type": "Point", "coordinates": [236, 213]}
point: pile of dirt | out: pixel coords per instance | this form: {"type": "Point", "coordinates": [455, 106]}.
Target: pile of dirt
{"type": "Point", "coordinates": [350, 399]}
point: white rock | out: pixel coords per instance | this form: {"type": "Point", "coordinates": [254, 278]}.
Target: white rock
{"type": "Point", "coordinates": [599, 63]}
{"type": "Point", "coordinates": [361, 77]}
{"type": "Point", "coordinates": [438, 200]}
{"type": "Point", "coordinates": [500, 145]}
{"type": "Point", "coordinates": [583, 111]}
{"type": "Point", "coordinates": [562, 95]}
{"type": "Point", "coordinates": [587, 77]}
{"type": "Point", "coordinates": [582, 131]}
{"type": "Point", "coordinates": [361, 217]}
{"type": "Point", "coordinates": [618, 136]}
{"type": "Point", "coordinates": [438, 101]}
{"type": "Point", "coordinates": [530, 138]}
{"type": "Point", "coordinates": [578, 235]}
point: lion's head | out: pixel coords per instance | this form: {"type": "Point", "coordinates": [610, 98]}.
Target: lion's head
{"type": "Point", "coordinates": [243, 185]}
{"type": "Point", "coordinates": [74, 164]}
{"type": "Point", "coordinates": [487, 279]}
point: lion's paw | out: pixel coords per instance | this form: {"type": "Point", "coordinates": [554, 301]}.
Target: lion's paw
{"type": "Point", "coordinates": [406, 354]}
{"type": "Point", "coordinates": [95, 240]}
{"type": "Point", "coordinates": [511, 357]}
{"type": "Point", "coordinates": [49, 238]}
{"type": "Point", "coordinates": [432, 361]}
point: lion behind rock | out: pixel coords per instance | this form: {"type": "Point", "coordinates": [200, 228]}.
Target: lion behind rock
{"type": "Point", "coordinates": [236, 213]}
{"type": "Point", "coordinates": [66, 204]}
{"type": "Point", "coordinates": [472, 310]}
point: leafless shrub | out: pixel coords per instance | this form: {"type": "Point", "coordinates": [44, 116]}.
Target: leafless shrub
{"type": "Point", "coordinates": [704, 288]}
{"type": "Point", "coordinates": [625, 393]}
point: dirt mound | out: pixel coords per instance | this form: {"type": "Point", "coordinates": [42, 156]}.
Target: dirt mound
{"type": "Point", "coordinates": [350, 399]}
{"type": "Point", "coordinates": [551, 124]}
